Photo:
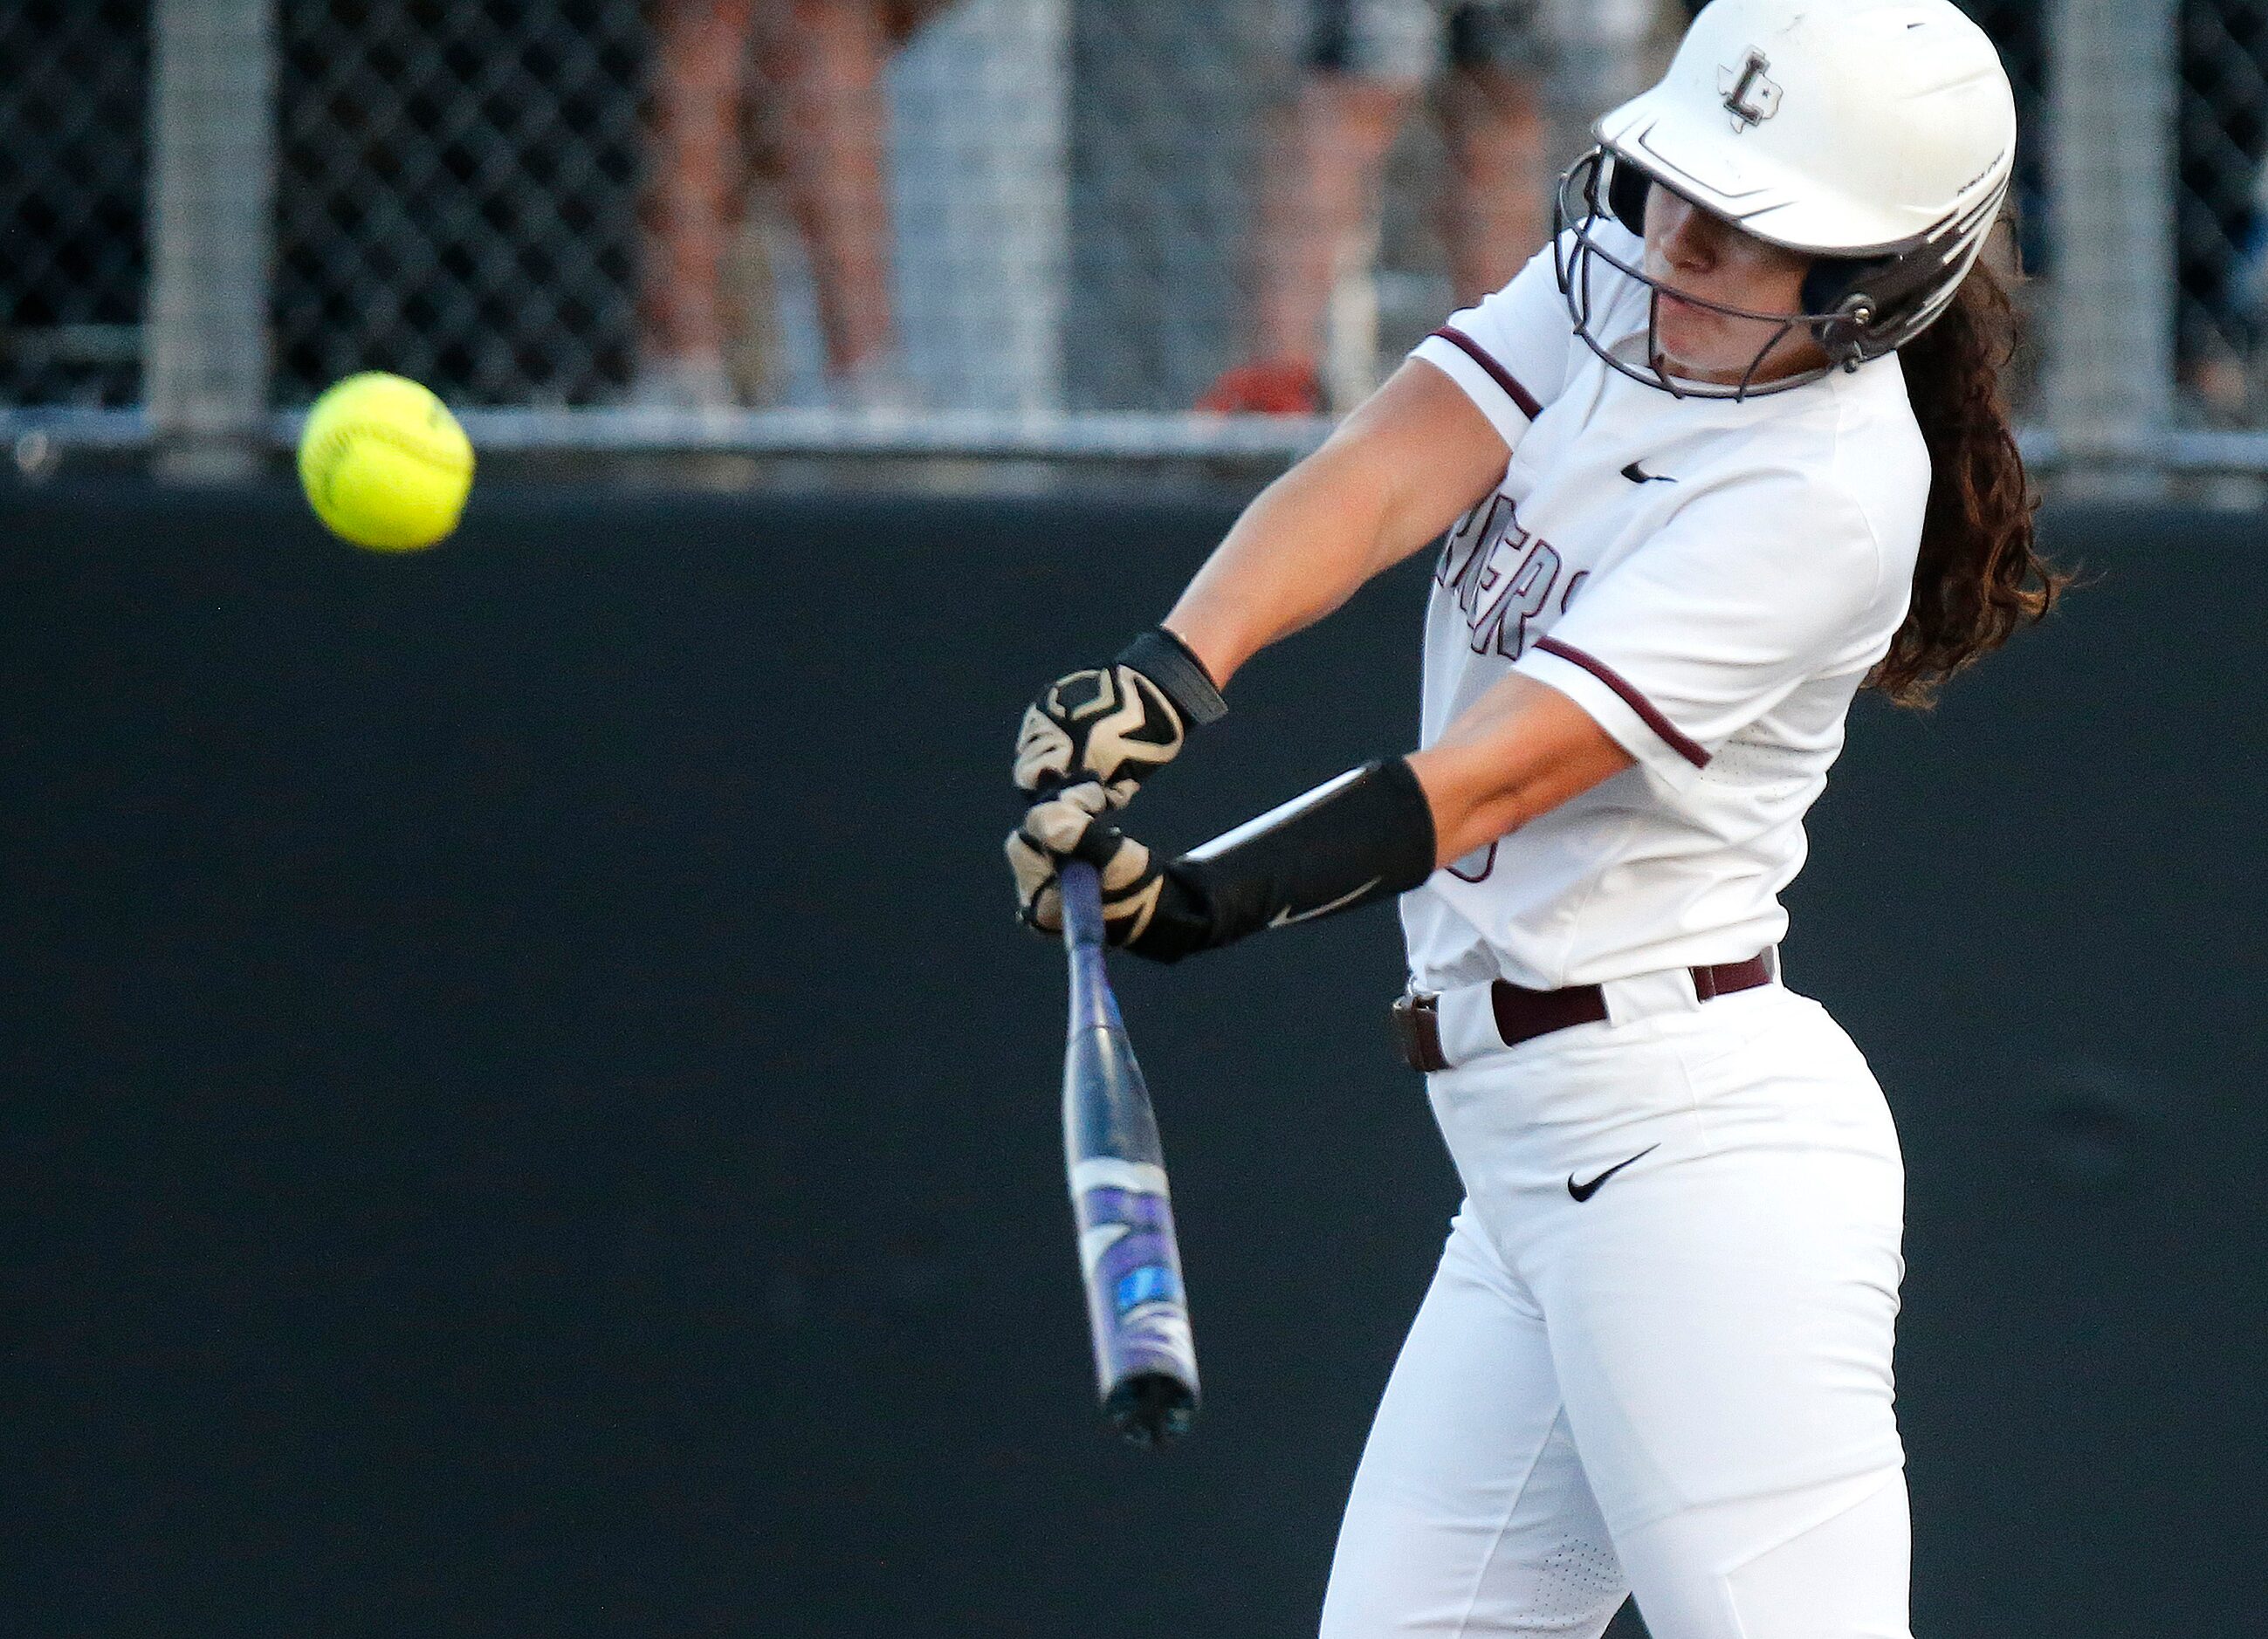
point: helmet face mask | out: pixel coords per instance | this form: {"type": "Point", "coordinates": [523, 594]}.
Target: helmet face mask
{"type": "Point", "coordinates": [1584, 202]}
{"type": "Point", "coordinates": [1876, 138]}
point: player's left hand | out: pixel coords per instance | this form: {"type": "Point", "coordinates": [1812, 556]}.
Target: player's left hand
{"type": "Point", "coordinates": [1144, 908]}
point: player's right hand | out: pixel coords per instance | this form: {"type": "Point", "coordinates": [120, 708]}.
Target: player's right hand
{"type": "Point", "coordinates": [1115, 726]}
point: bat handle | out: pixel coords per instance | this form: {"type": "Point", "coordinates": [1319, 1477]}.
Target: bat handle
{"type": "Point", "coordinates": [1082, 904]}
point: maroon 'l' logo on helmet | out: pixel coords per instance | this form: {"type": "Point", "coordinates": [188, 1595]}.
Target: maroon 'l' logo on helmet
{"type": "Point", "coordinates": [1750, 96]}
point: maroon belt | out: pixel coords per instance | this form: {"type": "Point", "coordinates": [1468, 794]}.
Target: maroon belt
{"type": "Point", "coordinates": [1524, 1015]}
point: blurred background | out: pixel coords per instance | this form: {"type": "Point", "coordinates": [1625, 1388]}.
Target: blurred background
{"type": "Point", "coordinates": [990, 228]}
{"type": "Point", "coordinates": [526, 1111]}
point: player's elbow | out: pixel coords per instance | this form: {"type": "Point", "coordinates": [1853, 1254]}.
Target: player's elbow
{"type": "Point", "coordinates": [1463, 825]}
{"type": "Point", "coordinates": [1519, 752]}
{"type": "Point", "coordinates": [1477, 794]}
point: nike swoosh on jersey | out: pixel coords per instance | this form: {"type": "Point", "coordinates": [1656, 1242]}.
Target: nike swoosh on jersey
{"type": "Point", "coordinates": [1637, 475]}
{"type": "Point", "coordinates": [1285, 917]}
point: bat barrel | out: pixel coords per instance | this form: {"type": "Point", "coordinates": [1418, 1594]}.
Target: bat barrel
{"type": "Point", "coordinates": [1137, 1311]}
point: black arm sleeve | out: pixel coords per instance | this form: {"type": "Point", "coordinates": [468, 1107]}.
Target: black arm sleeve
{"type": "Point", "coordinates": [1365, 836]}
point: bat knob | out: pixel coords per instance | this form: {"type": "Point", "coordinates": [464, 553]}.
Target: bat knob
{"type": "Point", "coordinates": [1151, 1408]}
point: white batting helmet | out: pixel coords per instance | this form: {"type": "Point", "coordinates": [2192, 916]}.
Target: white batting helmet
{"type": "Point", "coordinates": [1875, 136]}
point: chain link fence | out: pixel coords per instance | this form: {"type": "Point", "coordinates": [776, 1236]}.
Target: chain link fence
{"type": "Point", "coordinates": [2222, 234]}
{"type": "Point", "coordinates": [72, 123]}
{"type": "Point", "coordinates": [454, 195]}
{"type": "Point", "coordinates": [985, 226]}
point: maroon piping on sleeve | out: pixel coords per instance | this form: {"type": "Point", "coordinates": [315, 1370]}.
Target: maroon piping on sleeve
{"type": "Point", "coordinates": [1498, 374]}
{"type": "Point", "coordinates": [1637, 703]}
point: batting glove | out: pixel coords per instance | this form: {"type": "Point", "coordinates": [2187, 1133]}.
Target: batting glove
{"type": "Point", "coordinates": [1365, 836]}
{"type": "Point", "coordinates": [1115, 726]}
{"type": "Point", "coordinates": [1135, 888]}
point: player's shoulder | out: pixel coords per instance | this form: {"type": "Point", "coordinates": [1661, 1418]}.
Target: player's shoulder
{"type": "Point", "coordinates": [1845, 447]}
{"type": "Point", "coordinates": [1836, 477]}
{"type": "Point", "coordinates": [1880, 458]}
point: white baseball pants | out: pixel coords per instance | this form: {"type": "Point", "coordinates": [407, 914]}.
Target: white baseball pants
{"type": "Point", "coordinates": [1677, 1385]}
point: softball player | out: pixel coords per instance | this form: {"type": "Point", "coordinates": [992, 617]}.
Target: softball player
{"type": "Point", "coordinates": [1738, 450]}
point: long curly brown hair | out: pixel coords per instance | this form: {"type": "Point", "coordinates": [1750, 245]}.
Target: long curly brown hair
{"type": "Point", "coordinates": [1980, 575]}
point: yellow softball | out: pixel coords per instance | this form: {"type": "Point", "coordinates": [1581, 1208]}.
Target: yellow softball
{"type": "Point", "coordinates": [384, 463]}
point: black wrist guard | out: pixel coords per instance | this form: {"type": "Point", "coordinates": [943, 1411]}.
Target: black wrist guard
{"type": "Point", "coordinates": [1365, 836]}
{"type": "Point", "coordinates": [1166, 661]}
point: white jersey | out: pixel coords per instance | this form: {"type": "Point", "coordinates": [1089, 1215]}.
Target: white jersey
{"type": "Point", "coordinates": [1710, 581]}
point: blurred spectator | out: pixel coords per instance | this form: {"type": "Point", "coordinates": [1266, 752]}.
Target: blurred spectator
{"type": "Point", "coordinates": [1368, 63]}
{"type": "Point", "coordinates": [823, 121]}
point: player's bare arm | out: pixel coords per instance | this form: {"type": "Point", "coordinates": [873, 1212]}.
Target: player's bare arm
{"type": "Point", "coordinates": [1514, 754]}
{"type": "Point", "coordinates": [1388, 481]}
{"type": "Point", "coordinates": [1391, 478]}
{"type": "Point", "coordinates": [1373, 833]}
